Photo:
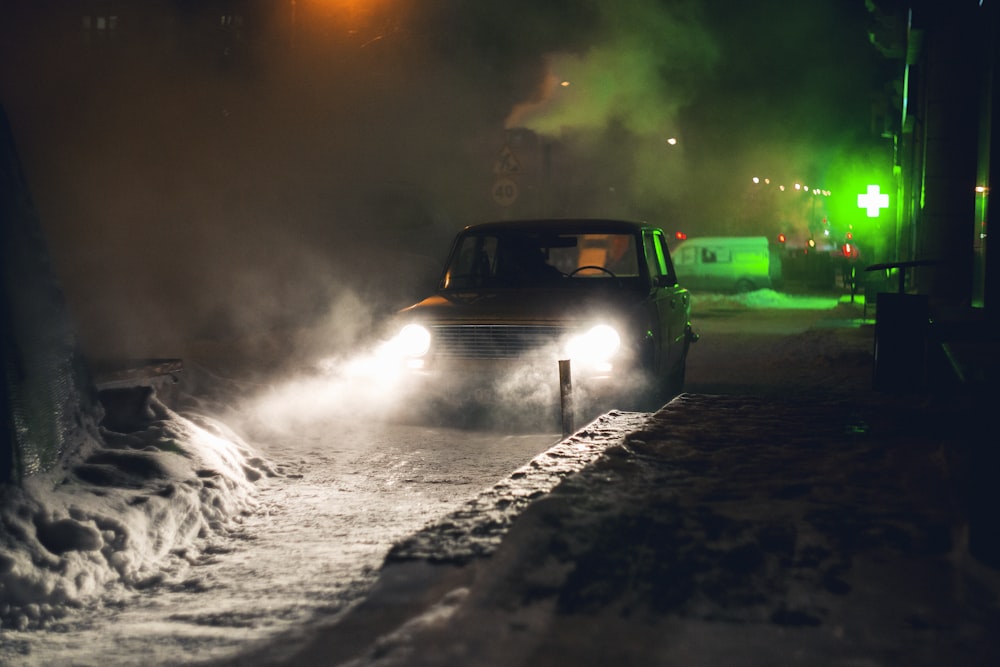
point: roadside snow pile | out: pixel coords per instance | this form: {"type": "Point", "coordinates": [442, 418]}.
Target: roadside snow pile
{"type": "Point", "coordinates": [762, 298]}
{"type": "Point", "coordinates": [131, 510]}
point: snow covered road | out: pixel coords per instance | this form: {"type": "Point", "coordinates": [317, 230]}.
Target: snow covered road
{"type": "Point", "coordinates": [349, 486]}
{"type": "Point", "coordinates": [346, 492]}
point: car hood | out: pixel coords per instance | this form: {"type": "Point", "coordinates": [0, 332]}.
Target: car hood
{"type": "Point", "coordinates": [534, 306]}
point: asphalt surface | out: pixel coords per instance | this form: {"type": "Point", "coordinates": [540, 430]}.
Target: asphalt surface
{"type": "Point", "coordinates": [724, 529]}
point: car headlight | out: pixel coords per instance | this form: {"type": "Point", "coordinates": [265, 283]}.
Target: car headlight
{"type": "Point", "coordinates": [596, 345]}
{"type": "Point", "coordinates": [413, 340]}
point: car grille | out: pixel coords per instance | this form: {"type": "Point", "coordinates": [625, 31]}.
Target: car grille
{"type": "Point", "coordinates": [492, 341]}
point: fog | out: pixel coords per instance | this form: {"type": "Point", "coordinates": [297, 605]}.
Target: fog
{"type": "Point", "coordinates": [260, 181]}
{"type": "Point", "coordinates": [368, 384]}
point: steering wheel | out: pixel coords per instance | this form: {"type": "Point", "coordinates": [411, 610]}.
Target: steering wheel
{"type": "Point", "coordinates": [592, 266]}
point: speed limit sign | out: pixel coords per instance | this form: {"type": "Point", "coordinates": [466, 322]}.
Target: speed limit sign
{"type": "Point", "coordinates": [505, 191]}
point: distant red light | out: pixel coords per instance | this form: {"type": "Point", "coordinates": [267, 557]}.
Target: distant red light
{"type": "Point", "coordinates": [781, 238]}
{"type": "Point", "coordinates": [680, 236]}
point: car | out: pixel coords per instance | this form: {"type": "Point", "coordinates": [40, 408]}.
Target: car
{"type": "Point", "coordinates": [727, 263]}
{"type": "Point", "coordinates": [516, 297]}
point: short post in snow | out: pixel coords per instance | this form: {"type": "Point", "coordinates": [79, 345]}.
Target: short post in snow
{"type": "Point", "coordinates": [566, 396]}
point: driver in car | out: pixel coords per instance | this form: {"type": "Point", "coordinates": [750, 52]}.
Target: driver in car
{"type": "Point", "coordinates": [526, 263]}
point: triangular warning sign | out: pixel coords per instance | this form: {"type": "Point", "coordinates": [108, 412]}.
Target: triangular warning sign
{"type": "Point", "coordinates": [507, 163]}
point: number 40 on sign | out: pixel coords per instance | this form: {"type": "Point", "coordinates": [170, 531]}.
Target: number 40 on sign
{"type": "Point", "coordinates": [505, 191]}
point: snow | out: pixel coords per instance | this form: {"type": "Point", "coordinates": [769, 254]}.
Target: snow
{"type": "Point", "coordinates": [816, 522]}
{"type": "Point", "coordinates": [124, 513]}
{"type": "Point", "coordinates": [764, 298]}
{"type": "Point", "coordinates": [136, 511]}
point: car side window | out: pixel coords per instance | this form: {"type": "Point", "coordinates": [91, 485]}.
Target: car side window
{"type": "Point", "coordinates": [656, 258]}
{"type": "Point", "coordinates": [661, 271]}
{"type": "Point", "coordinates": [650, 252]}
{"type": "Point", "coordinates": [716, 256]}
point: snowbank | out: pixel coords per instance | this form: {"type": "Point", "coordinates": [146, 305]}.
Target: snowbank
{"type": "Point", "coordinates": [760, 299]}
{"type": "Point", "coordinates": [125, 512]}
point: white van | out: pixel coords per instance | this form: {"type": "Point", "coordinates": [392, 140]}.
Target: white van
{"type": "Point", "coordinates": [727, 264]}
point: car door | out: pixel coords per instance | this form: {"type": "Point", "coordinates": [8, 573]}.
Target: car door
{"type": "Point", "coordinates": [669, 304]}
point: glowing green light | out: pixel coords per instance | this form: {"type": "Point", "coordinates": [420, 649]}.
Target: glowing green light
{"type": "Point", "coordinates": [873, 201]}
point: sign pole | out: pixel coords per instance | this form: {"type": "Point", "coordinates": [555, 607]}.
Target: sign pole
{"type": "Point", "coordinates": [566, 396]}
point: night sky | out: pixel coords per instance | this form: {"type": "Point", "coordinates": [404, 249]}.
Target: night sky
{"type": "Point", "coordinates": [203, 172]}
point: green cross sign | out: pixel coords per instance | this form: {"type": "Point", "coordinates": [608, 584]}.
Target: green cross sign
{"type": "Point", "coordinates": [873, 201]}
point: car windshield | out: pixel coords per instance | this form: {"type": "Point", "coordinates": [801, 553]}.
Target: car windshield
{"type": "Point", "coordinates": [524, 259]}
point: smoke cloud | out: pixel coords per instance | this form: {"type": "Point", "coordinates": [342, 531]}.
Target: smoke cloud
{"type": "Point", "coordinates": [271, 180]}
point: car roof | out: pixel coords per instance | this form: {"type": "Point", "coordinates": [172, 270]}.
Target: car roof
{"type": "Point", "coordinates": [725, 240]}
{"type": "Point", "coordinates": [556, 225]}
